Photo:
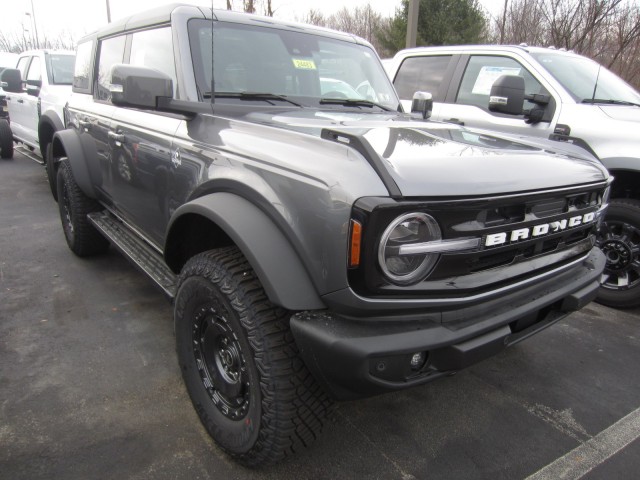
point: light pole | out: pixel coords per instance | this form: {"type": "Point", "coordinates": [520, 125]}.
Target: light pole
{"type": "Point", "coordinates": [108, 12]}
{"type": "Point", "coordinates": [35, 26]}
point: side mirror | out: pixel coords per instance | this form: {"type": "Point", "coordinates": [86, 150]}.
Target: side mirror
{"type": "Point", "coordinates": [139, 87]}
{"type": "Point", "coordinates": [507, 95]}
{"type": "Point", "coordinates": [11, 81]}
{"type": "Point", "coordinates": [422, 105]}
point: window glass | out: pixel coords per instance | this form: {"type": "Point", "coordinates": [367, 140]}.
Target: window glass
{"type": "Point", "coordinates": [585, 79]}
{"type": "Point", "coordinates": [111, 53]}
{"type": "Point", "coordinates": [22, 66]}
{"type": "Point", "coordinates": [483, 70]}
{"type": "Point", "coordinates": [34, 70]}
{"type": "Point", "coordinates": [422, 74]}
{"type": "Point", "coordinates": [252, 58]}
{"type": "Point", "coordinates": [154, 49]}
{"type": "Point", "coordinates": [82, 70]}
{"type": "Point", "coordinates": [61, 69]}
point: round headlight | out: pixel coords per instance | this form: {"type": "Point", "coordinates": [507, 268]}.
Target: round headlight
{"type": "Point", "coordinates": [408, 229]}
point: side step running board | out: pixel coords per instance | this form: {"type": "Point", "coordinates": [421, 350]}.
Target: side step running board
{"type": "Point", "coordinates": [143, 256]}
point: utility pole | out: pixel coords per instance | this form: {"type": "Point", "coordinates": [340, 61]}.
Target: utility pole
{"type": "Point", "coordinates": [35, 25]}
{"type": "Point", "coordinates": [412, 23]}
{"type": "Point", "coordinates": [108, 12]}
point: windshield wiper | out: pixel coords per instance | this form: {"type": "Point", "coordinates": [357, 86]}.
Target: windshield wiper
{"type": "Point", "coordinates": [352, 102]}
{"type": "Point", "coordinates": [609, 101]}
{"type": "Point", "coordinates": [251, 96]}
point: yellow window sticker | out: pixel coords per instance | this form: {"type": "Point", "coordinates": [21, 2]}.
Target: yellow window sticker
{"type": "Point", "coordinates": [304, 64]}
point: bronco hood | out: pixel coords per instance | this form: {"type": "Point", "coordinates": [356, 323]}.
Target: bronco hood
{"type": "Point", "coordinates": [436, 159]}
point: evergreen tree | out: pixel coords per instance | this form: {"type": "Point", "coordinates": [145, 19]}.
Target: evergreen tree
{"type": "Point", "coordinates": [440, 22]}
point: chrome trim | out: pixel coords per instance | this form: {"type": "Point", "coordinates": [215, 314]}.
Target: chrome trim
{"type": "Point", "coordinates": [439, 246]}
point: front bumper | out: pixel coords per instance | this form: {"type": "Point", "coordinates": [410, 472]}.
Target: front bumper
{"type": "Point", "coordinates": [355, 358]}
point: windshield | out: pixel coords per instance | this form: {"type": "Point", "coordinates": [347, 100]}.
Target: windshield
{"type": "Point", "coordinates": [579, 76]}
{"type": "Point", "coordinates": [299, 66]}
{"type": "Point", "coordinates": [61, 69]}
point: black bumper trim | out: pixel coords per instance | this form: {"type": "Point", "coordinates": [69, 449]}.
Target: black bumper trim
{"type": "Point", "coordinates": [356, 358]}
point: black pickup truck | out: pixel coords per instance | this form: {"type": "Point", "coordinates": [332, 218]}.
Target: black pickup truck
{"type": "Point", "coordinates": [317, 243]}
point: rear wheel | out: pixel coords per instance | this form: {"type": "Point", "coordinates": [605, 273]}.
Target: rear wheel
{"type": "Point", "coordinates": [6, 140]}
{"type": "Point", "coordinates": [619, 239]}
{"type": "Point", "coordinates": [82, 237]}
{"type": "Point", "coordinates": [240, 364]}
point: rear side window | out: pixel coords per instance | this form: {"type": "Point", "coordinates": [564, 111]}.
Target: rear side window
{"type": "Point", "coordinates": [154, 49]}
{"type": "Point", "coordinates": [111, 52]}
{"type": "Point", "coordinates": [423, 74]}
{"type": "Point", "coordinates": [83, 73]}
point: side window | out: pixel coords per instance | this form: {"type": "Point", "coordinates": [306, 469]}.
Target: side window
{"type": "Point", "coordinates": [22, 66]}
{"type": "Point", "coordinates": [154, 49]}
{"type": "Point", "coordinates": [422, 74]}
{"type": "Point", "coordinates": [483, 70]}
{"type": "Point", "coordinates": [82, 72]}
{"type": "Point", "coordinates": [34, 72]}
{"type": "Point", "coordinates": [111, 52]}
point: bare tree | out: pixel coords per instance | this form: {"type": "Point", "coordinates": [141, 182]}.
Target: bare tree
{"type": "Point", "coordinates": [605, 30]}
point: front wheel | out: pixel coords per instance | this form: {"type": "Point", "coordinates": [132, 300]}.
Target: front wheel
{"type": "Point", "coordinates": [240, 364]}
{"type": "Point", "coordinates": [82, 237]}
{"type": "Point", "coordinates": [619, 239]}
{"type": "Point", "coordinates": [6, 140]}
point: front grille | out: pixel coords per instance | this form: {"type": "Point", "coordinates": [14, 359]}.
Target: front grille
{"type": "Point", "coordinates": [519, 236]}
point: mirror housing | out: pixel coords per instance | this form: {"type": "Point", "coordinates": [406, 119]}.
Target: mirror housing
{"type": "Point", "coordinates": [11, 80]}
{"type": "Point", "coordinates": [139, 87]}
{"type": "Point", "coordinates": [422, 105]}
{"type": "Point", "coordinates": [507, 95]}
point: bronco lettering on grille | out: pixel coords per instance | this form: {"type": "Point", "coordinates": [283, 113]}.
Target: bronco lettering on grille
{"type": "Point", "coordinates": [502, 238]}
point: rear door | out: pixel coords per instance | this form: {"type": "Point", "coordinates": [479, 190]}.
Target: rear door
{"type": "Point", "coordinates": [140, 144]}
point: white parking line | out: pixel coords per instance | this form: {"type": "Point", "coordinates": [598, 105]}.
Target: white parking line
{"type": "Point", "coordinates": [581, 460]}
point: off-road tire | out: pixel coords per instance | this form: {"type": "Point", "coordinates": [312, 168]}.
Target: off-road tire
{"type": "Point", "coordinates": [74, 206]}
{"type": "Point", "coordinates": [51, 170]}
{"type": "Point", "coordinates": [619, 239]}
{"type": "Point", "coordinates": [227, 328]}
{"type": "Point", "coordinates": [6, 140]}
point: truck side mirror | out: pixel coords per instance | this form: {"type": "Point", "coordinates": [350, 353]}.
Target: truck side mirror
{"type": "Point", "coordinates": [11, 81]}
{"type": "Point", "coordinates": [507, 95]}
{"type": "Point", "coordinates": [422, 105]}
{"type": "Point", "coordinates": [139, 87]}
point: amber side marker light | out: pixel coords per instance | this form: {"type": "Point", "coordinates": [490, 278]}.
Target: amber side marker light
{"type": "Point", "coordinates": [356, 242]}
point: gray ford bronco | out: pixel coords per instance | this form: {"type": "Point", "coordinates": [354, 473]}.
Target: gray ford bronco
{"type": "Point", "coordinates": [316, 242]}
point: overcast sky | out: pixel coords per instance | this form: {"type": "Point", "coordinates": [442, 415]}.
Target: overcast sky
{"type": "Point", "coordinates": [77, 17]}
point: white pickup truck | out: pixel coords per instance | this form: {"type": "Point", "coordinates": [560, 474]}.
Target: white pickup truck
{"type": "Point", "coordinates": [36, 92]}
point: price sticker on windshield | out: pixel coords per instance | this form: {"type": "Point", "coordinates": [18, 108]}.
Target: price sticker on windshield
{"type": "Point", "coordinates": [304, 64]}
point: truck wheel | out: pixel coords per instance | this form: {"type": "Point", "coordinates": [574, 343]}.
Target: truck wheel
{"type": "Point", "coordinates": [240, 364]}
{"type": "Point", "coordinates": [82, 237]}
{"type": "Point", "coordinates": [51, 170]}
{"type": "Point", "coordinates": [6, 140]}
{"type": "Point", "coordinates": [619, 239]}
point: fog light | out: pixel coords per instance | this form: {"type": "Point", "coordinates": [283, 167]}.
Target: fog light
{"type": "Point", "coordinates": [418, 360]}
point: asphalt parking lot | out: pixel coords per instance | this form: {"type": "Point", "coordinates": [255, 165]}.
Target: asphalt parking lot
{"type": "Point", "coordinates": [90, 388]}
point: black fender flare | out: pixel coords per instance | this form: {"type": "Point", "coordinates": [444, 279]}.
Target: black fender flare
{"type": "Point", "coordinates": [277, 265]}
{"type": "Point", "coordinates": [79, 149]}
{"type": "Point", "coordinates": [48, 121]}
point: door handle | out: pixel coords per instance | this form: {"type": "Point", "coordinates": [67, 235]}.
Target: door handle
{"type": "Point", "coordinates": [20, 100]}
{"type": "Point", "coordinates": [84, 124]}
{"type": "Point", "coordinates": [454, 120]}
{"type": "Point", "coordinates": [116, 137]}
